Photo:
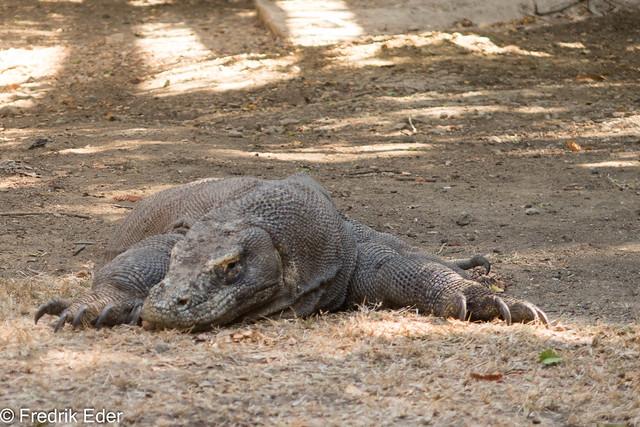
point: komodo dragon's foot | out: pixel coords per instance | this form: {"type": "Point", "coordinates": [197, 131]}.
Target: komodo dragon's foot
{"type": "Point", "coordinates": [94, 309]}
{"type": "Point", "coordinates": [119, 287]}
{"type": "Point", "coordinates": [472, 301]}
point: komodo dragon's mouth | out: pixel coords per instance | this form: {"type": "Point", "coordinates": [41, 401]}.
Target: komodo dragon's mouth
{"type": "Point", "coordinates": [207, 314]}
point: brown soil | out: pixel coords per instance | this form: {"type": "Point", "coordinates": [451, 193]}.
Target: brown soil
{"type": "Point", "coordinates": [532, 135]}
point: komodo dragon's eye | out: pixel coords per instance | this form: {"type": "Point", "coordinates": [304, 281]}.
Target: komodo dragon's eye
{"type": "Point", "coordinates": [228, 268]}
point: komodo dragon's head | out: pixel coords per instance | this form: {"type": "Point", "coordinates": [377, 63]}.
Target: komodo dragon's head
{"type": "Point", "coordinates": [219, 273]}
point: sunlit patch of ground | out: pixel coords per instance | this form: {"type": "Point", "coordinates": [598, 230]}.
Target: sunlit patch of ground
{"type": "Point", "coordinates": [223, 74]}
{"type": "Point", "coordinates": [185, 64]}
{"type": "Point", "coordinates": [373, 51]}
{"type": "Point", "coordinates": [23, 73]}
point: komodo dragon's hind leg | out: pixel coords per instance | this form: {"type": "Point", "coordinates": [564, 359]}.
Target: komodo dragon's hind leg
{"type": "Point", "coordinates": [119, 287]}
{"type": "Point", "coordinates": [398, 278]}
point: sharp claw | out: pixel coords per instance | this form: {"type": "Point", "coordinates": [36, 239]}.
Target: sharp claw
{"type": "Point", "coordinates": [134, 317]}
{"type": "Point", "coordinates": [54, 306]}
{"type": "Point", "coordinates": [462, 307]}
{"type": "Point", "coordinates": [103, 315]}
{"type": "Point", "coordinates": [62, 320]}
{"type": "Point", "coordinates": [78, 317]}
{"type": "Point", "coordinates": [537, 314]}
{"type": "Point", "coordinates": [504, 310]}
{"type": "Point", "coordinates": [42, 310]}
{"type": "Point", "coordinates": [542, 316]}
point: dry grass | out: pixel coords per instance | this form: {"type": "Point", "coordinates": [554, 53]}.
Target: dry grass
{"type": "Point", "coordinates": [136, 99]}
{"type": "Point", "coordinates": [361, 368]}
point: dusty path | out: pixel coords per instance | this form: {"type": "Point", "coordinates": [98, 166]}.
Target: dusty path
{"type": "Point", "coordinates": [531, 135]}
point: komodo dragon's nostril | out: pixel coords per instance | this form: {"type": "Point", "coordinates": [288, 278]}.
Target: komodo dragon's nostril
{"type": "Point", "coordinates": [183, 301]}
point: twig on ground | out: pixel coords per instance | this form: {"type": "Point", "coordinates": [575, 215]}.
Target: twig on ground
{"type": "Point", "coordinates": [413, 128]}
{"type": "Point", "coordinates": [616, 183]}
{"type": "Point", "coordinates": [76, 215]}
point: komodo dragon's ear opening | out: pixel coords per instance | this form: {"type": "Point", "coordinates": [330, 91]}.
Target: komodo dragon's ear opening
{"type": "Point", "coordinates": [180, 227]}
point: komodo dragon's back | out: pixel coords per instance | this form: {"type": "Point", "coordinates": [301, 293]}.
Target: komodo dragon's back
{"type": "Point", "coordinates": [174, 209]}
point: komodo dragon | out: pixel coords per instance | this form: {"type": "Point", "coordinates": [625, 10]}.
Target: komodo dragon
{"type": "Point", "coordinates": [215, 252]}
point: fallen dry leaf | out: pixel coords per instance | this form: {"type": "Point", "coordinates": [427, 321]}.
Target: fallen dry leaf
{"type": "Point", "coordinates": [496, 288]}
{"type": "Point", "coordinates": [573, 146]}
{"type": "Point", "coordinates": [10, 87]}
{"type": "Point", "coordinates": [127, 198]}
{"type": "Point", "coordinates": [487, 377]}
{"type": "Point", "coordinates": [590, 78]}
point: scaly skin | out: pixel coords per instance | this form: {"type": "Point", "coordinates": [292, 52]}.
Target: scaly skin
{"type": "Point", "coordinates": [252, 248]}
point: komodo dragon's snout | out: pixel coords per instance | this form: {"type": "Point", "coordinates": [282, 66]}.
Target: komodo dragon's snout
{"type": "Point", "coordinates": [218, 274]}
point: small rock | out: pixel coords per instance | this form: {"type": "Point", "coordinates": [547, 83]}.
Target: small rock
{"type": "Point", "coordinates": [56, 184]}
{"type": "Point", "coordinates": [162, 347]}
{"type": "Point", "coordinates": [22, 96]}
{"type": "Point", "coordinates": [464, 219]}
{"type": "Point", "coordinates": [9, 111]}
{"type": "Point", "coordinates": [39, 142]}
{"type": "Point", "coordinates": [532, 211]}
{"type": "Point", "coordinates": [289, 121]}
{"type": "Point", "coordinates": [270, 130]}
{"type": "Point", "coordinates": [235, 134]}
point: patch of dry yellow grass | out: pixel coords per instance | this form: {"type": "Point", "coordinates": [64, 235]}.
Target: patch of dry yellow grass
{"type": "Point", "coordinates": [360, 368]}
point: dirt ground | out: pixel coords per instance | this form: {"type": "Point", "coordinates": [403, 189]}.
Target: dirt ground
{"type": "Point", "coordinates": [520, 141]}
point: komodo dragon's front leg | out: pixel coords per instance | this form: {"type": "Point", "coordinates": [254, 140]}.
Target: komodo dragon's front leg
{"type": "Point", "coordinates": [119, 287]}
